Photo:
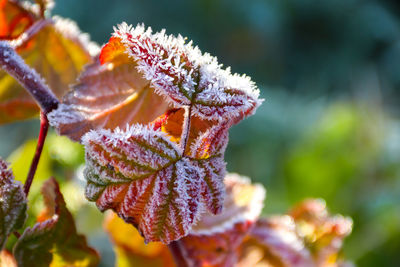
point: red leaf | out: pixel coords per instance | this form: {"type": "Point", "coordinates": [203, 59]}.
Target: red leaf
{"type": "Point", "coordinates": [216, 239]}
{"type": "Point", "coordinates": [277, 236]}
{"type": "Point", "coordinates": [309, 236]}
{"type": "Point", "coordinates": [186, 77]}
{"type": "Point", "coordinates": [143, 177]}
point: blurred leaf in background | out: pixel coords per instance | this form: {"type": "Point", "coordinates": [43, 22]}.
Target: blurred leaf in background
{"type": "Point", "coordinates": [130, 248]}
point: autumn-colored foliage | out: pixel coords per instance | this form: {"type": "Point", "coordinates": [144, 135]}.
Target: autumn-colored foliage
{"type": "Point", "coordinates": [153, 113]}
{"type": "Point", "coordinates": [57, 52]}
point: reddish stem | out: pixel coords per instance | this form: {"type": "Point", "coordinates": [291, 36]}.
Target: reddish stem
{"type": "Point", "coordinates": [174, 248]}
{"type": "Point", "coordinates": [44, 127]}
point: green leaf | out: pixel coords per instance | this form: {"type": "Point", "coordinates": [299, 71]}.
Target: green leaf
{"type": "Point", "coordinates": [54, 240]}
{"type": "Point", "coordinates": [12, 204]}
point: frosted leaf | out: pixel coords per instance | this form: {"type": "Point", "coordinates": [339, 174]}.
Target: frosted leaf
{"type": "Point", "coordinates": [212, 142]}
{"type": "Point", "coordinates": [217, 250]}
{"type": "Point", "coordinates": [215, 240]}
{"type": "Point", "coordinates": [12, 203]}
{"type": "Point", "coordinates": [107, 95]}
{"type": "Point", "coordinates": [307, 236]}
{"type": "Point", "coordinates": [210, 147]}
{"type": "Point", "coordinates": [243, 204]}
{"type": "Point", "coordinates": [186, 77]}
{"type": "Point", "coordinates": [212, 186]}
{"type": "Point", "coordinates": [323, 233]}
{"type": "Point", "coordinates": [142, 175]}
{"type": "Point", "coordinates": [54, 238]}
{"type": "Point", "coordinates": [277, 236]}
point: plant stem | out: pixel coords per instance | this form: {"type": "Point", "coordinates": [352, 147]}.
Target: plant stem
{"type": "Point", "coordinates": [186, 128]}
{"type": "Point", "coordinates": [12, 63]}
{"type": "Point", "coordinates": [29, 33]}
{"type": "Point", "coordinates": [44, 127]}
{"type": "Point", "coordinates": [176, 252]}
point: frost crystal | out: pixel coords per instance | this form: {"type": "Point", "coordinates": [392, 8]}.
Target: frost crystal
{"type": "Point", "coordinates": [12, 203]}
{"type": "Point", "coordinates": [186, 77]}
{"type": "Point", "coordinates": [243, 204]}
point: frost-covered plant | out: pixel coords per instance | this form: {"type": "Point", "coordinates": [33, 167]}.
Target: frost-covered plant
{"type": "Point", "coordinates": [153, 113]}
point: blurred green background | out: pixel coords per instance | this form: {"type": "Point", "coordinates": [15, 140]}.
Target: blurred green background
{"type": "Point", "coordinates": [330, 73]}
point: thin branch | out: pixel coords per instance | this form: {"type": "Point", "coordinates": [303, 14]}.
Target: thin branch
{"type": "Point", "coordinates": [12, 63]}
{"type": "Point", "coordinates": [44, 127]}
{"type": "Point", "coordinates": [186, 128]}
{"type": "Point", "coordinates": [174, 248]}
{"type": "Point", "coordinates": [29, 33]}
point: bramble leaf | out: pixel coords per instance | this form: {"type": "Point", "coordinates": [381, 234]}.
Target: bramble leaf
{"type": "Point", "coordinates": [308, 236]}
{"type": "Point", "coordinates": [54, 241]}
{"type": "Point", "coordinates": [276, 243]}
{"type": "Point", "coordinates": [108, 95]}
{"type": "Point", "coordinates": [130, 249]}
{"type": "Point", "coordinates": [57, 52]}
{"type": "Point", "coordinates": [322, 233]}
{"type": "Point", "coordinates": [12, 204]}
{"type": "Point", "coordinates": [186, 77]}
{"type": "Point", "coordinates": [215, 240]}
{"type": "Point", "coordinates": [144, 177]}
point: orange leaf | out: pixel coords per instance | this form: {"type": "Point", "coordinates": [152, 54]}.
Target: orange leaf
{"type": "Point", "coordinates": [308, 236]}
{"type": "Point", "coordinates": [130, 248]}
{"type": "Point", "coordinates": [57, 52]}
{"type": "Point", "coordinates": [14, 19]}
{"type": "Point", "coordinates": [7, 259]}
{"type": "Point", "coordinates": [274, 241]}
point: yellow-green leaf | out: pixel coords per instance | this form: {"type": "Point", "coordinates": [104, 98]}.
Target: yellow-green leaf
{"type": "Point", "coordinates": [130, 248]}
{"type": "Point", "coordinates": [54, 241]}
